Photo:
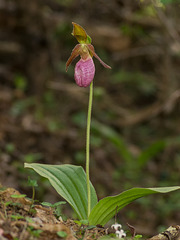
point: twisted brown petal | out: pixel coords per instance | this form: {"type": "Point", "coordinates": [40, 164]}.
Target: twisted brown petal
{"type": "Point", "coordinates": [91, 49]}
{"type": "Point", "coordinates": [74, 54]}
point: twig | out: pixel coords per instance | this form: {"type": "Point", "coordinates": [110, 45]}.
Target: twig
{"type": "Point", "coordinates": [172, 233]}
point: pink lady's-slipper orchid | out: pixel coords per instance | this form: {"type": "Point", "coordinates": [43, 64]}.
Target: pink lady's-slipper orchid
{"type": "Point", "coordinates": [85, 68]}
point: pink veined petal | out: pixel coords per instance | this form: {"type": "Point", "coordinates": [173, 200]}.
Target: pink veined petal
{"type": "Point", "coordinates": [84, 72]}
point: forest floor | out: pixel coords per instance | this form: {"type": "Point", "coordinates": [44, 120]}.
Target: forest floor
{"type": "Point", "coordinates": [21, 219]}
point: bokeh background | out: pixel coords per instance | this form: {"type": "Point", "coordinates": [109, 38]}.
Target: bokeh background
{"type": "Point", "coordinates": [135, 137]}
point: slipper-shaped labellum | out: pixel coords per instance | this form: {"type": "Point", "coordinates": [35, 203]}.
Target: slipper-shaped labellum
{"type": "Point", "coordinates": [85, 68]}
{"type": "Point", "coordinates": [84, 72]}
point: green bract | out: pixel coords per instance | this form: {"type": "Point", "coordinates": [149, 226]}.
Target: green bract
{"type": "Point", "coordinates": [80, 34]}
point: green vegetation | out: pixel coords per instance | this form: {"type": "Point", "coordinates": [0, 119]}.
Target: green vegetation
{"type": "Point", "coordinates": [135, 121]}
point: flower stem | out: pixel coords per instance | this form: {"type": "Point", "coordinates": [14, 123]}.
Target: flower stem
{"type": "Point", "coordinates": [88, 146]}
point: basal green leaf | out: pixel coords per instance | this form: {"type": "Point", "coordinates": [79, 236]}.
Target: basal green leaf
{"type": "Point", "coordinates": [70, 182]}
{"type": "Point", "coordinates": [106, 208]}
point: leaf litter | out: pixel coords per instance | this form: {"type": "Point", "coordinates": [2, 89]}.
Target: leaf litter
{"type": "Point", "coordinates": [21, 221]}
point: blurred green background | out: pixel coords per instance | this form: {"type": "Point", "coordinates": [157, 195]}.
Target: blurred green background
{"type": "Point", "coordinates": [135, 137]}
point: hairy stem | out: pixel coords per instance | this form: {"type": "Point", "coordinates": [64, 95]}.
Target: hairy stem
{"type": "Point", "coordinates": [88, 146]}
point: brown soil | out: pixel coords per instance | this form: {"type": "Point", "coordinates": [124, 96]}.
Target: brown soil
{"type": "Point", "coordinates": [20, 220]}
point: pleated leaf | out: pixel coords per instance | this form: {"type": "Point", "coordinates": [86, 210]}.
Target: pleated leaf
{"type": "Point", "coordinates": [106, 208]}
{"type": "Point", "coordinates": [70, 183]}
